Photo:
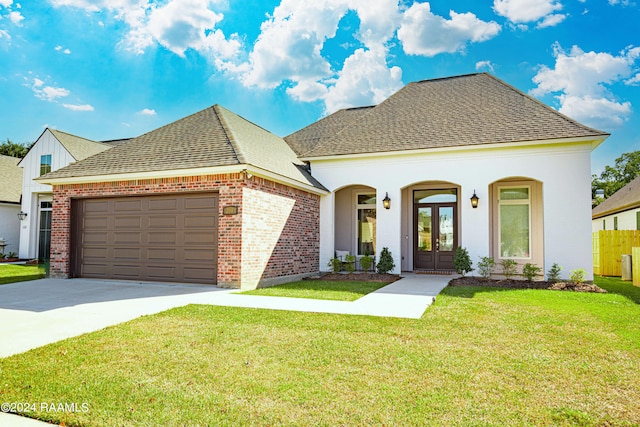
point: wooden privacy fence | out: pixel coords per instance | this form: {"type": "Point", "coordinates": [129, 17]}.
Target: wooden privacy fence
{"type": "Point", "coordinates": [608, 248]}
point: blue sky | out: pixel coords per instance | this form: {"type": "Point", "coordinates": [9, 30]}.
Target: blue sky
{"type": "Point", "coordinates": [109, 69]}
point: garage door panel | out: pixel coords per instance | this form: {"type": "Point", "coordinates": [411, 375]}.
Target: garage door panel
{"type": "Point", "coordinates": [158, 238]}
{"type": "Point", "coordinates": [158, 254]}
{"type": "Point", "coordinates": [164, 204]}
{"type": "Point", "coordinates": [198, 239]}
{"type": "Point", "coordinates": [121, 222]}
{"type": "Point", "coordinates": [165, 221]}
{"type": "Point", "coordinates": [199, 221]}
{"type": "Point", "coordinates": [123, 253]}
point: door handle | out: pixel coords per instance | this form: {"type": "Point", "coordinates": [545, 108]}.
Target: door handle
{"type": "Point", "coordinates": [437, 245]}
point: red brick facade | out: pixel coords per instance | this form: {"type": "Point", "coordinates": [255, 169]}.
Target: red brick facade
{"type": "Point", "coordinates": [297, 250]}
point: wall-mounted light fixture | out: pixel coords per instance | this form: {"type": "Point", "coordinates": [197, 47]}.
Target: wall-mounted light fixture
{"type": "Point", "coordinates": [22, 215]}
{"type": "Point", "coordinates": [474, 200]}
{"type": "Point", "coordinates": [386, 202]}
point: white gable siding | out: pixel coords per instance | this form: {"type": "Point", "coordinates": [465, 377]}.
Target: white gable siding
{"type": "Point", "coordinates": [32, 191]}
{"type": "Point", "coordinates": [626, 221]}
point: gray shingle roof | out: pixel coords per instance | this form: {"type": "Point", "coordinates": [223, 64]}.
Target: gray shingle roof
{"type": "Point", "coordinates": [212, 137]}
{"type": "Point", "coordinates": [79, 148]}
{"type": "Point", "coordinates": [628, 197]}
{"type": "Point", "coordinates": [455, 111]}
{"type": "Point", "coordinates": [11, 179]}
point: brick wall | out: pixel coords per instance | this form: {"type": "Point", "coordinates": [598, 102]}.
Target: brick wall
{"type": "Point", "coordinates": [297, 249]}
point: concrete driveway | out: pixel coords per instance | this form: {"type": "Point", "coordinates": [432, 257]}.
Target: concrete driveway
{"type": "Point", "coordinates": [44, 311]}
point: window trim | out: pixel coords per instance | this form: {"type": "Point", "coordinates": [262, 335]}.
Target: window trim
{"type": "Point", "coordinates": [527, 202]}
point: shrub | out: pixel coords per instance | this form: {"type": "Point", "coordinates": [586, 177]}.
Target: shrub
{"type": "Point", "coordinates": [530, 271]}
{"type": "Point", "coordinates": [335, 264]}
{"type": "Point", "coordinates": [577, 275]}
{"type": "Point", "coordinates": [366, 262]}
{"type": "Point", "coordinates": [508, 268]}
{"type": "Point", "coordinates": [486, 266]}
{"type": "Point", "coordinates": [386, 263]}
{"type": "Point", "coordinates": [462, 262]}
{"type": "Point", "coordinates": [350, 261]}
{"type": "Point", "coordinates": [553, 275]}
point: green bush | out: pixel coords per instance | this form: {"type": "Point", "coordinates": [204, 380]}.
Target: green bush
{"type": "Point", "coordinates": [350, 261]}
{"type": "Point", "coordinates": [577, 275]}
{"type": "Point", "coordinates": [486, 266]}
{"type": "Point", "coordinates": [530, 271]}
{"type": "Point", "coordinates": [335, 264]}
{"type": "Point", "coordinates": [553, 275]}
{"type": "Point", "coordinates": [366, 262]}
{"type": "Point", "coordinates": [386, 263]}
{"type": "Point", "coordinates": [462, 261]}
{"type": "Point", "coordinates": [509, 267]}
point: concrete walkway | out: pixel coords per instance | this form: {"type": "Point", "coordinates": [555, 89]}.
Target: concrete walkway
{"type": "Point", "coordinates": [39, 312]}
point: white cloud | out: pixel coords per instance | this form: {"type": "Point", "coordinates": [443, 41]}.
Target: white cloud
{"type": "Point", "coordinates": [633, 81]}
{"type": "Point", "coordinates": [6, 3]}
{"type": "Point", "coordinates": [147, 112]}
{"type": "Point", "coordinates": [16, 18]}
{"type": "Point", "coordinates": [552, 20]}
{"type": "Point", "coordinates": [423, 33]}
{"type": "Point", "coordinates": [177, 25]}
{"type": "Point", "coordinates": [4, 34]}
{"type": "Point", "coordinates": [487, 65]}
{"type": "Point", "coordinates": [365, 79]}
{"type": "Point", "coordinates": [620, 2]}
{"type": "Point", "coordinates": [74, 107]}
{"type": "Point", "coordinates": [47, 93]}
{"type": "Point", "coordinates": [582, 80]}
{"type": "Point", "coordinates": [521, 11]}
{"type": "Point", "coordinates": [61, 49]}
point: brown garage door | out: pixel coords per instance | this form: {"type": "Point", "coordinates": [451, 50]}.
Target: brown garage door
{"type": "Point", "coordinates": [157, 238]}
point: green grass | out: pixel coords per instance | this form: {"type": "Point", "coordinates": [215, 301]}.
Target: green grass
{"type": "Point", "coordinates": [10, 273]}
{"type": "Point", "coordinates": [320, 289]}
{"type": "Point", "coordinates": [478, 357]}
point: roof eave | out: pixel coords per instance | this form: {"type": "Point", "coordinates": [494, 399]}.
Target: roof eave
{"type": "Point", "coordinates": [595, 141]}
{"type": "Point", "coordinates": [616, 210]}
{"type": "Point", "coordinates": [213, 170]}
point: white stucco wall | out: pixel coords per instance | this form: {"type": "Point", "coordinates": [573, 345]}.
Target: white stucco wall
{"type": "Point", "coordinates": [626, 221]}
{"type": "Point", "coordinates": [564, 170]}
{"type": "Point", "coordinates": [33, 192]}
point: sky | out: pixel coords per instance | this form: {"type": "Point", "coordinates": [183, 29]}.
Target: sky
{"type": "Point", "coordinates": [111, 69]}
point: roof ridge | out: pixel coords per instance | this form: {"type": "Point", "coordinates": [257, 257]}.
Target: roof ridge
{"type": "Point", "coordinates": [228, 130]}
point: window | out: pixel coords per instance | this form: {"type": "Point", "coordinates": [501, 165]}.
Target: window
{"type": "Point", "coordinates": [366, 219]}
{"type": "Point", "coordinates": [638, 220]}
{"type": "Point", "coordinates": [45, 164]}
{"type": "Point", "coordinates": [615, 222]}
{"type": "Point", "coordinates": [515, 222]}
{"type": "Point", "coordinates": [604, 224]}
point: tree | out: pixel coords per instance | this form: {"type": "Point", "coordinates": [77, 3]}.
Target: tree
{"type": "Point", "coordinates": [613, 178]}
{"type": "Point", "coordinates": [13, 149]}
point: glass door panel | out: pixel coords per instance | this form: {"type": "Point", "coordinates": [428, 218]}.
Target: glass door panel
{"type": "Point", "coordinates": [423, 228]}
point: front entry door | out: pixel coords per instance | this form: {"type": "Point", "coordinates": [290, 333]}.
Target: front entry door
{"type": "Point", "coordinates": [435, 236]}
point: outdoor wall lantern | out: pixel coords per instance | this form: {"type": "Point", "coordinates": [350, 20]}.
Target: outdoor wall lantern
{"type": "Point", "coordinates": [474, 200]}
{"type": "Point", "coordinates": [22, 215]}
{"type": "Point", "coordinates": [386, 202]}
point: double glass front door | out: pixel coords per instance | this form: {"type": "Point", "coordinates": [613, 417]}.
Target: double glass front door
{"type": "Point", "coordinates": [435, 235]}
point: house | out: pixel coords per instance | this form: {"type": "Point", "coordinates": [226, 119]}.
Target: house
{"type": "Point", "coordinates": [51, 151]}
{"type": "Point", "coordinates": [10, 191]}
{"type": "Point", "coordinates": [436, 148]}
{"type": "Point", "coordinates": [212, 198]}
{"type": "Point", "coordinates": [621, 211]}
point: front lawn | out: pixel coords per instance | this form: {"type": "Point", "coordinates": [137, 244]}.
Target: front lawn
{"type": "Point", "coordinates": [478, 357]}
{"type": "Point", "coordinates": [320, 289]}
{"type": "Point", "coordinates": [10, 273]}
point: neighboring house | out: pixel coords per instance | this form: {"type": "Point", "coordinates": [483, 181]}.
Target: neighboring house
{"type": "Point", "coordinates": [210, 198]}
{"type": "Point", "coordinates": [432, 146]}
{"type": "Point", "coordinates": [621, 211]}
{"type": "Point", "coordinates": [10, 191]}
{"type": "Point", "coordinates": [51, 151]}
{"type": "Point", "coordinates": [215, 199]}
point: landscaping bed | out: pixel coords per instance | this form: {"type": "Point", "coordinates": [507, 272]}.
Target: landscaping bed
{"type": "Point", "coordinates": [526, 284]}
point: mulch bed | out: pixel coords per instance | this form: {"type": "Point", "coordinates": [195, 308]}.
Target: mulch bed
{"type": "Point", "coordinates": [360, 277]}
{"type": "Point", "coordinates": [525, 284]}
